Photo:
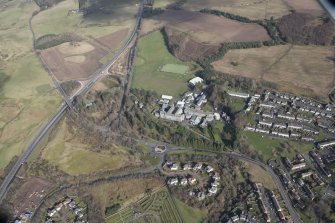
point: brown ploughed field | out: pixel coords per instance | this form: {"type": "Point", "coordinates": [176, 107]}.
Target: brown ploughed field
{"type": "Point", "coordinates": [206, 28]}
{"type": "Point", "coordinates": [112, 40]}
{"type": "Point", "coordinates": [64, 66]}
{"type": "Point", "coordinates": [78, 61]}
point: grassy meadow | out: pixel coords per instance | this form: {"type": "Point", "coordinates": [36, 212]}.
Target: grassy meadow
{"type": "Point", "coordinates": [27, 97]}
{"type": "Point", "coordinates": [190, 214]}
{"type": "Point", "coordinates": [151, 55]}
{"type": "Point", "coordinates": [252, 9]}
{"type": "Point", "coordinates": [67, 151]}
{"type": "Point", "coordinates": [56, 20]}
{"type": "Point", "coordinates": [274, 148]}
{"type": "Point", "coordinates": [304, 70]}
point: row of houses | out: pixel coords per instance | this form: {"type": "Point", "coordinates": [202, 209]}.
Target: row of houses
{"type": "Point", "coordinates": [306, 188]}
{"type": "Point", "coordinates": [326, 144]}
{"type": "Point", "coordinates": [302, 115]}
{"type": "Point", "coordinates": [173, 166]}
{"type": "Point", "coordinates": [262, 207]}
{"type": "Point", "coordinates": [182, 181]}
{"type": "Point", "coordinates": [289, 126]}
{"type": "Point", "coordinates": [277, 206]}
{"type": "Point", "coordinates": [301, 103]}
{"type": "Point", "coordinates": [319, 163]}
{"type": "Point", "coordinates": [275, 133]}
{"type": "Point", "coordinates": [297, 164]}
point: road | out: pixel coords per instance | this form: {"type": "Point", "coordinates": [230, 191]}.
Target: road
{"type": "Point", "coordinates": [295, 217]}
{"type": "Point", "coordinates": [57, 117]}
{"type": "Point", "coordinates": [94, 78]}
{"type": "Point", "coordinates": [15, 169]}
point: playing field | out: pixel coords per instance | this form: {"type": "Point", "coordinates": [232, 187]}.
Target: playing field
{"type": "Point", "coordinates": [27, 97]}
{"type": "Point", "coordinates": [151, 55]}
{"type": "Point", "coordinates": [304, 70]}
{"type": "Point", "coordinates": [175, 68]}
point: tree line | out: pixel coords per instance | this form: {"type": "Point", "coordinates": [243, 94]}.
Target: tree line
{"type": "Point", "coordinates": [270, 25]}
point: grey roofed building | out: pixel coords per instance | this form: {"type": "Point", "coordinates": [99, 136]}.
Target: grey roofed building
{"type": "Point", "coordinates": [280, 125]}
{"type": "Point", "coordinates": [323, 145]}
{"type": "Point", "coordinates": [238, 94]}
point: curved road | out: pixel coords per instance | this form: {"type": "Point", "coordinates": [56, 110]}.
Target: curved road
{"type": "Point", "coordinates": [55, 119]}
{"type": "Point", "coordinates": [295, 217]}
{"type": "Point", "coordinates": [95, 77]}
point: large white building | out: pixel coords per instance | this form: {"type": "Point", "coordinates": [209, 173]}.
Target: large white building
{"type": "Point", "coordinates": [196, 80]}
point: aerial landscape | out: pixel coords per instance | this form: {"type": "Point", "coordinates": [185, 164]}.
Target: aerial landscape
{"type": "Point", "coordinates": [167, 111]}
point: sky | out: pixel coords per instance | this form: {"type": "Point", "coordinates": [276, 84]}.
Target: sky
{"type": "Point", "coordinates": [330, 6]}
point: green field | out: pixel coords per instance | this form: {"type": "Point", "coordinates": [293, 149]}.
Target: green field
{"type": "Point", "coordinates": [151, 55]}
{"type": "Point", "coordinates": [236, 104]}
{"type": "Point", "coordinates": [190, 214]}
{"type": "Point", "coordinates": [28, 98]}
{"type": "Point", "coordinates": [156, 207]}
{"type": "Point", "coordinates": [273, 148]}
{"type": "Point", "coordinates": [66, 151]}
{"type": "Point", "coordinates": [174, 68]}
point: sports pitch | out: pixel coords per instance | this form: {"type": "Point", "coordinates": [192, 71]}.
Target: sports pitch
{"type": "Point", "coordinates": [174, 68]}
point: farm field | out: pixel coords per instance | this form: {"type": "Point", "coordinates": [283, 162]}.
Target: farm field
{"type": "Point", "coordinates": [158, 207]}
{"type": "Point", "coordinates": [102, 34]}
{"type": "Point", "coordinates": [304, 70]}
{"type": "Point", "coordinates": [28, 98]}
{"type": "Point", "coordinates": [206, 28]}
{"type": "Point", "coordinates": [253, 9]}
{"type": "Point", "coordinates": [73, 62]}
{"type": "Point", "coordinates": [151, 55]}
{"type": "Point", "coordinates": [56, 20]}
{"type": "Point", "coordinates": [306, 6]}
{"type": "Point", "coordinates": [67, 151]}
{"type": "Point", "coordinates": [273, 148]}
{"type": "Point", "coordinates": [77, 61]}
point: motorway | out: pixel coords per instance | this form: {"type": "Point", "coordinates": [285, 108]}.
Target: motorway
{"type": "Point", "coordinates": [57, 117]}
